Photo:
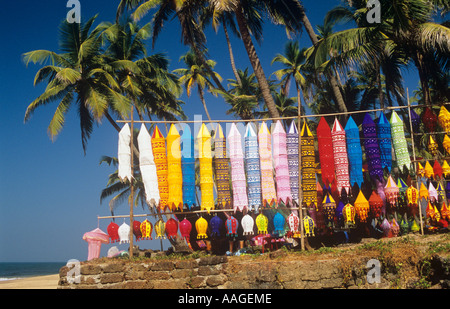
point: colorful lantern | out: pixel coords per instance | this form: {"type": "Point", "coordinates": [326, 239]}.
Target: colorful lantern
{"type": "Point", "coordinates": [216, 224]}
{"type": "Point", "coordinates": [437, 169]}
{"type": "Point", "coordinates": [445, 169]}
{"type": "Point", "coordinates": [429, 119]}
{"type": "Point", "coordinates": [124, 233]}
{"type": "Point", "coordinates": [404, 227]}
{"type": "Point", "coordinates": [339, 208]}
{"type": "Point", "coordinates": [415, 119]}
{"type": "Point", "coordinates": [372, 148]}
{"type": "Point", "coordinates": [252, 167]}
{"type": "Point", "coordinates": [445, 212]}
{"type": "Point", "coordinates": [375, 204]}
{"type": "Point", "coordinates": [362, 207]}
{"type": "Point", "coordinates": [137, 230]}
{"type": "Point", "coordinates": [395, 228]}
{"type": "Point", "coordinates": [447, 190]}
{"type": "Point", "coordinates": [446, 143]}
{"type": "Point", "coordinates": [240, 199]}
{"type": "Point", "coordinates": [262, 223]}
{"type": "Point", "coordinates": [308, 161]}
{"type": "Point", "coordinates": [326, 155]}
{"type": "Point", "coordinates": [340, 156]}
{"type": "Point", "coordinates": [391, 190]}
{"type": "Point", "coordinates": [160, 157]}
{"type": "Point", "coordinates": [201, 225]}
{"type": "Point", "coordinates": [124, 154]}
{"type": "Point", "coordinates": [293, 222]}
{"type": "Point", "coordinates": [354, 152]}
{"type": "Point", "coordinates": [147, 167]}
{"type": "Point", "coordinates": [160, 229]}
{"type": "Point", "coordinates": [432, 146]}
{"type": "Point", "coordinates": [423, 192]}
{"type": "Point", "coordinates": [175, 178]}
{"type": "Point", "coordinates": [420, 169]}
{"type": "Point", "coordinates": [292, 155]}
{"type": "Point", "coordinates": [188, 167]}
{"type": "Point", "coordinates": [281, 164]}
{"type": "Point", "coordinates": [247, 223]}
{"type": "Point", "coordinates": [146, 229]}
{"type": "Point", "coordinates": [440, 190]}
{"type": "Point", "coordinates": [206, 173]}
{"type": "Point", "coordinates": [432, 193]}
{"type": "Point", "coordinates": [185, 229]}
{"type": "Point", "coordinates": [402, 186]}
{"type": "Point", "coordinates": [232, 226]}
{"type": "Point", "coordinates": [430, 211]}
{"type": "Point", "coordinates": [348, 213]}
{"type": "Point", "coordinates": [171, 228]}
{"type": "Point", "coordinates": [384, 141]}
{"type": "Point", "coordinates": [269, 194]}
{"type": "Point", "coordinates": [221, 165]}
{"type": "Point", "coordinates": [113, 232]}
{"type": "Point", "coordinates": [329, 207]}
{"type": "Point", "coordinates": [386, 227]}
{"type": "Point", "coordinates": [412, 195]}
{"type": "Point", "coordinates": [279, 223]}
{"type": "Point", "coordinates": [415, 227]}
{"type": "Point", "coordinates": [399, 141]}
{"type": "Point", "coordinates": [444, 119]}
{"type": "Point", "coordinates": [308, 225]}
{"type": "Point", "coordinates": [95, 239]}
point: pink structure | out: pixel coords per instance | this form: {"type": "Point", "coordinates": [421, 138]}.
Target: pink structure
{"type": "Point", "coordinates": [95, 239]}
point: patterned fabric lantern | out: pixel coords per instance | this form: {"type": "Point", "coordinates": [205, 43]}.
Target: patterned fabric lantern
{"type": "Point", "coordinates": [420, 169]}
{"type": "Point", "coordinates": [437, 169]}
{"type": "Point", "coordinates": [446, 143]}
{"type": "Point", "coordinates": [372, 148]}
{"type": "Point", "coordinates": [430, 211]}
{"type": "Point", "coordinates": [399, 141]}
{"type": "Point", "coordinates": [354, 152]}
{"type": "Point", "coordinates": [160, 156]}
{"type": "Point", "coordinates": [147, 167]}
{"type": "Point", "coordinates": [415, 119]}
{"type": "Point", "coordinates": [412, 195]}
{"type": "Point", "coordinates": [429, 119]}
{"type": "Point", "coordinates": [201, 225]}
{"type": "Point", "coordinates": [386, 227]}
{"type": "Point", "coordinates": [432, 146]}
{"type": "Point", "coordinates": [160, 229]}
{"type": "Point", "coordinates": [375, 205]}
{"type": "Point", "coordinates": [171, 228]}
{"type": "Point", "coordinates": [395, 228]}
{"type": "Point", "coordinates": [391, 190]}
{"type": "Point", "coordinates": [445, 169]}
{"type": "Point", "coordinates": [252, 167]}
{"type": "Point", "coordinates": [240, 199]}
{"type": "Point", "coordinates": [262, 223]}
{"type": "Point", "coordinates": [216, 224]}
{"type": "Point", "coordinates": [292, 155]}
{"type": "Point", "coordinates": [113, 232]}
{"type": "Point", "coordinates": [402, 186]}
{"type": "Point", "coordinates": [340, 157]}
{"type": "Point", "coordinates": [440, 190]}
{"type": "Point", "coordinates": [329, 207]}
{"type": "Point", "coordinates": [232, 227]}
{"type": "Point", "coordinates": [281, 164]}
{"type": "Point", "coordinates": [348, 213]}
{"type": "Point", "coordinates": [326, 154]}
{"type": "Point", "coordinates": [414, 227]}
{"type": "Point", "coordinates": [137, 230]}
{"type": "Point", "coordinates": [384, 136]}
{"type": "Point", "coordinates": [247, 223]}
{"type": "Point", "coordinates": [445, 211]}
{"type": "Point", "coordinates": [279, 223]}
{"type": "Point", "coordinates": [308, 225]}
{"type": "Point", "coordinates": [293, 222]}
{"type": "Point", "coordinates": [221, 165]}
{"type": "Point", "coordinates": [124, 154]}
{"type": "Point", "coordinates": [432, 193]}
{"type": "Point", "coordinates": [146, 229]}
{"type": "Point", "coordinates": [185, 229]}
{"type": "Point", "coordinates": [188, 167]}
{"type": "Point", "coordinates": [124, 233]}
{"type": "Point", "coordinates": [444, 119]}
{"type": "Point", "coordinates": [308, 166]}
{"type": "Point", "coordinates": [362, 207]}
{"type": "Point", "coordinates": [206, 173]}
{"type": "Point", "coordinates": [175, 178]}
{"type": "Point", "coordinates": [423, 192]}
{"type": "Point", "coordinates": [269, 194]}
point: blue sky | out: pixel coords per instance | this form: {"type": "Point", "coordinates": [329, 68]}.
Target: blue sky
{"type": "Point", "coordinates": [50, 191]}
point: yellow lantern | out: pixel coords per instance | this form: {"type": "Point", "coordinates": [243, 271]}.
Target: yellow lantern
{"type": "Point", "coordinates": [308, 225]}
{"type": "Point", "coordinates": [446, 143]}
{"type": "Point", "coordinates": [432, 146]}
{"type": "Point", "coordinates": [445, 168]}
{"type": "Point", "coordinates": [429, 171]}
{"type": "Point", "coordinates": [175, 178]}
{"type": "Point", "coordinates": [201, 225]}
{"type": "Point", "coordinates": [423, 192]}
{"type": "Point", "coordinates": [262, 222]}
{"type": "Point", "coordinates": [444, 119]}
{"type": "Point", "coordinates": [420, 169]}
{"type": "Point", "coordinates": [146, 229]}
{"type": "Point", "coordinates": [160, 229]}
{"type": "Point", "coordinates": [349, 213]}
{"type": "Point", "coordinates": [362, 207]}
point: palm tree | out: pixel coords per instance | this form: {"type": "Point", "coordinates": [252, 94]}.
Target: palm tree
{"type": "Point", "coordinates": [196, 74]}
{"type": "Point", "coordinates": [77, 75]}
{"type": "Point", "coordinates": [286, 106]}
{"type": "Point", "coordinates": [293, 61]}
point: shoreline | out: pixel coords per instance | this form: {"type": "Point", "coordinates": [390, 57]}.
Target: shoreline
{"type": "Point", "coordinates": [36, 282]}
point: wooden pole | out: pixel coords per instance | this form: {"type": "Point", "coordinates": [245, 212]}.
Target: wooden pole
{"type": "Point", "coordinates": [131, 185]}
{"type": "Point", "coordinates": [300, 187]}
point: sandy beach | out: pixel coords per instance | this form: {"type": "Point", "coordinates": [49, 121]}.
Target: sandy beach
{"type": "Point", "coordinates": [39, 282]}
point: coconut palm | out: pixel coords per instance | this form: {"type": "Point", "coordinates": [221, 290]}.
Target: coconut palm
{"type": "Point", "coordinates": [77, 76]}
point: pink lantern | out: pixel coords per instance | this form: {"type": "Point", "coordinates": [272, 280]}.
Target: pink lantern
{"type": "Point", "coordinates": [95, 239]}
{"type": "Point", "coordinates": [185, 229]}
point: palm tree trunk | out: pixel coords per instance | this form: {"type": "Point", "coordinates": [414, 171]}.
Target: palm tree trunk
{"type": "Point", "coordinates": [202, 98]}
{"type": "Point", "coordinates": [256, 64]}
{"type": "Point", "coordinates": [230, 51]}
{"type": "Point", "coordinates": [334, 84]}
{"type": "Point", "coordinates": [418, 60]}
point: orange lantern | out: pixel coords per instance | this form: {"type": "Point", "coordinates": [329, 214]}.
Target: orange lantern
{"type": "Point", "coordinates": [362, 207]}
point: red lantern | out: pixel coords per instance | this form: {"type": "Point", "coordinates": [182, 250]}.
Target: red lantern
{"type": "Point", "coordinates": [113, 232]}
{"type": "Point", "coordinates": [375, 204]}
{"type": "Point", "coordinates": [429, 119]}
{"type": "Point", "coordinates": [171, 228]}
{"type": "Point", "coordinates": [185, 229]}
{"type": "Point", "coordinates": [137, 230]}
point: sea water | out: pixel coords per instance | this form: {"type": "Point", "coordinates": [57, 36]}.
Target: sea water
{"type": "Point", "coordinates": [13, 270]}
